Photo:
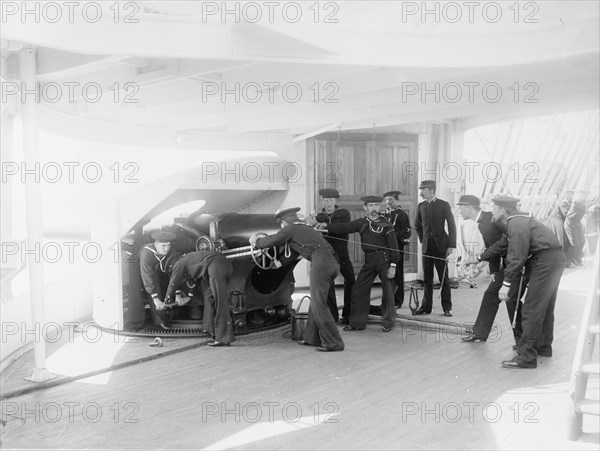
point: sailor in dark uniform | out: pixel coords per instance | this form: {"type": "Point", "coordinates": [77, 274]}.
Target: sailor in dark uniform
{"type": "Point", "coordinates": [531, 244]}
{"type": "Point", "coordinates": [378, 241]}
{"type": "Point", "coordinates": [433, 215]}
{"type": "Point", "coordinates": [320, 330]}
{"type": "Point", "coordinates": [332, 214]}
{"type": "Point", "coordinates": [399, 219]}
{"type": "Point", "coordinates": [153, 258]}
{"type": "Point", "coordinates": [495, 254]}
{"type": "Point", "coordinates": [213, 271]}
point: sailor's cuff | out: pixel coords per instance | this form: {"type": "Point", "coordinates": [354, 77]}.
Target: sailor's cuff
{"type": "Point", "coordinates": [506, 284]}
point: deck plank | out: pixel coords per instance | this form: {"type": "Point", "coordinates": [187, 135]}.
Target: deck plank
{"type": "Point", "coordinates": [369, 386]}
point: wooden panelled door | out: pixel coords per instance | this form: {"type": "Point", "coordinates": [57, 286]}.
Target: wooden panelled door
{"type": "Point", "coordinates": [363, 164]}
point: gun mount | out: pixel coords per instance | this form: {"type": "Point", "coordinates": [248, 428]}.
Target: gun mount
{"type": "Point", "coordinates": [260, 293]}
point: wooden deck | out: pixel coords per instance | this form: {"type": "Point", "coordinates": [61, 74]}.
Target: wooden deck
{"type": "Point", "coordinates": [417, 387]}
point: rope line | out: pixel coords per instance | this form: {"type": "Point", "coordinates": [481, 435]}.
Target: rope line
{"type": "Point", "coordinates": [349, 240]}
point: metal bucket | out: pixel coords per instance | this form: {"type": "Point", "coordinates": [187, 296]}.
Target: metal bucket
{"type": "Point", "coordinates": [299, 321]}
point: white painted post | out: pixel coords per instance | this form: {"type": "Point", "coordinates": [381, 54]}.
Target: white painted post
{"type": "Point", "coordinates": [33, 202]}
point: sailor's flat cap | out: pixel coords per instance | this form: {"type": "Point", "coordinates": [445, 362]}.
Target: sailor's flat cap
{"type": "Point", "coordinates": [286, 213]}
{"type": "Point", "coordinates": [468, 199]}
{"type": "Point", "coordinates": [163, 237]}
{"type": "Point", "coordinates": [371, 199]}
{"type": "Point", "coordinates": [392, 193]}
{"type": "Point", "coordinates": [506, 201]}
{"type": "Point", "coordinates": [329, 193]}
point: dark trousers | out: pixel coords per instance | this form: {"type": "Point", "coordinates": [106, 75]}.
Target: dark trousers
{"type": "Point", "coordinates": [576, 239]}
{"type": "Point", "coordinates": [440, 264]}
{"type": "Point", "coordinates": [376, 264]}
{"type": "Point", "coordinates": [217, 313]}
{"type": "Point", "coordinates": [491, 302]}
{"type": "Point", "coordinates": [160, 316]}
{"type": "Point", "coordinates": [321, 329]}
{"type": "Point", "coordinates": [538, 307]}
{"type": "Point", "coordinates": [347, 271]}
{"type": "Point", "coordinates": [399, 279]}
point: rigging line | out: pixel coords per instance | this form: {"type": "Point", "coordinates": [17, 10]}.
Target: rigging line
{"type": "Point", "coordinates": [543, 145]}
{"type": "Point", "coordinates": [490, 156]}
{"type": "Point", "coordinates": [504, 185]}
{"type": "Point", "coordinates": [487, 151]}
{"type": "Point", "coordinates": [503, 152]}
{"type": "Point", "coordinates": [562, 148]}
{"type": "Point", "coordinates": [582, 163]}
{"type": "Point", "coordinates": [498, 142]}
{"type": "Point", "coordinates": [571, 173]}
{"type": "Point", "coordinates": [514, 141]}
{"type": "Point", "coordinates": [349, 240]}
{"type": "Point", "coordinates": [551, 151]}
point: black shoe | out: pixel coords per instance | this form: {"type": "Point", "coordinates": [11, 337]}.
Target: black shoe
{"type": "Point", "coordinates": [324, 349]}
{"type": "Point", "coordinates": [421, 312]}
{"type": "Point", "coordinates": [303, 343]}
{"type": "Point", "coordinates": [513, 364]}
{"type": "Point", "coordinates": [397, 305]}
{"type": "Point", "coordinates": [345, 321]}
{"type": "Point", "coordinates": [163, 326]}
{"type": "Point", "coordinates": [448, 312]}
{"type": "Point", "coordinates": [216, 344]}
{"type": "Point", "coordinates": [350, 328]}
{"type": "Point", "coordinates": [471, 339]}
{"type": "Point", "coordinates": [386, 329]}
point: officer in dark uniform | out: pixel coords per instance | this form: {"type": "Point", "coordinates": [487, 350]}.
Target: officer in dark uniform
{"type": "Point", "coordinates": [531, 244]}
{"type": "Point", "coordinates": [153, 258]}
{"type": "Point", "coordinates": [332, 214]}
{"type": "Point", "coordinates": [399, 219]}
{"type": "Point", "coordinates": [321, 330]}
{"type": "Point", "coordinates": [432, 215]}
{"type": "Point", "coordinates": [495, 254]}
{"type": "Point", "coordinates": [378, 241]}
{"type": "Point", "coordinates": [213, 271]}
